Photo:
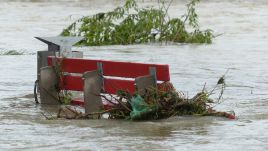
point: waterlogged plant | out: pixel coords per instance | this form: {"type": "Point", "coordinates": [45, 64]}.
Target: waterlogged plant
{"type": "Point", "coordinates": [12, 52]}
{"type": "Point", "coordinates": [130, 24]}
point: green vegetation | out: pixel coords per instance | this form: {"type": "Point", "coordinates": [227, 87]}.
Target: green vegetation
{"type": "Point", "coordinates": [130, 24]}
{"type": "Point", "coordinates": [11, 52]}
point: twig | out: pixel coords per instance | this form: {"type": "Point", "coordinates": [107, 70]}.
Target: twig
{"type": "Point", "coordinates": [120, 102]}
{"type": "Point", "coordinates": [103, 96]}
{"type": "Point", "coordinates": [204, 87]}
{"type": "Point", "coordinates": [44, 115]}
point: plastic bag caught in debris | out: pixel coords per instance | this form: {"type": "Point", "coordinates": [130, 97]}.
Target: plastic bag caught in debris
{"type": "Point", "coordinates": [140, 109]}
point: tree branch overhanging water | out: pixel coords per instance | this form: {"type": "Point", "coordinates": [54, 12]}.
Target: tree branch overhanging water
{"type": "Point", "coordinates": [130, 24]}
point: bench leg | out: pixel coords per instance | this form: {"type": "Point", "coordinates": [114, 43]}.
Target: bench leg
{"type": "Point", "coordinates": [92, 90]}
{"type": "Point", "coordinates": [47, 86]}
{"type": "Point", "coordinates": [145, 82]}
{"type": "Point", "coordinates": [42, 60]}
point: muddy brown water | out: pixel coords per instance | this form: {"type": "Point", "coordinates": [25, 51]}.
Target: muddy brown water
{"type": "Point", "coordinates": [242, 49]}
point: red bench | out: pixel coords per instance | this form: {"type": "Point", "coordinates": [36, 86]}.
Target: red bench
{"type": "Point", "coordinates": [115, 75]}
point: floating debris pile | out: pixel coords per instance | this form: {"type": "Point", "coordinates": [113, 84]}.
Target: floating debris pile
{"type": "Point", "coordinates": [153, 104]}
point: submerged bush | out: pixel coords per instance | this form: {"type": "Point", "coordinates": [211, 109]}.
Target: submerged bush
{"type": "Point", "coordinates": [130, 24]}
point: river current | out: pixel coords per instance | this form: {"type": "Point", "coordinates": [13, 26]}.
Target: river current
{"type": "Point", "coordinates": [241, 48]}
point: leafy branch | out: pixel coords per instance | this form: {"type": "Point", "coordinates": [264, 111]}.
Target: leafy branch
{"type": "Point", "coordinates": [130, 24]}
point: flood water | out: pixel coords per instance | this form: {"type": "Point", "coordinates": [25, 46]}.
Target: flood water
{"type": "Point", "coordinates": [242, 48]}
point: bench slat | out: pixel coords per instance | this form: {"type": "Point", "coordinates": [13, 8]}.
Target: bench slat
{"type": "Point", "coordinates": [112, 68]}
{"type": "Point", "coordinates": [111, 86]}
{"type": "Point", "coordinates": [133, 70]}
{"type": "Point", "coordinates": [74, 83]}
{"type": "Point", "coordinates": [72, 65]}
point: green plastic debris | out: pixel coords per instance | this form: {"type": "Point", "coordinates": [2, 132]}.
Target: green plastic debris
{"type": "Point", "coordinates": [140, 109]}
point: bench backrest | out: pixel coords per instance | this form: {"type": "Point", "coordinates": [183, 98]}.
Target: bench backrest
{"type": "Point", "coordinates": [116, 73]}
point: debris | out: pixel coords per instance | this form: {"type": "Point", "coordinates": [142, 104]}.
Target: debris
{"type": "Point", "coordinates": [12, 52]}
{"type": "Point", "coordinates": [156, 103]}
